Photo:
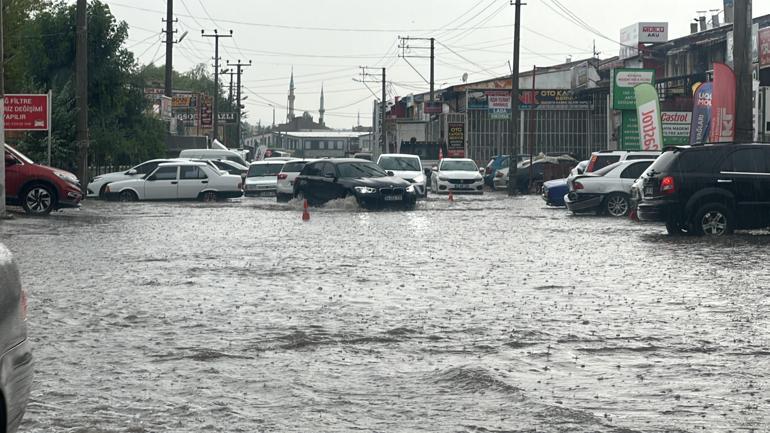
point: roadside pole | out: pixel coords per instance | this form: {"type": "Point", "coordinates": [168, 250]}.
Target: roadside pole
{"type": "Point", "coordinates": [744, 125]}
{"type": "Point", "coordinates": [50, 126]}
{"type": "Point", "coordinates": [81, 86]}
{"type": "Point", "coordinates": [2, 116]}
{"type": "Point", "coordinates": [531, 128]}
{"type": "Point", "coordinates": [512, 156]}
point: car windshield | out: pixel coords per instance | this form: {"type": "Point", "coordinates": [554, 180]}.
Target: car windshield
{"type": "Point", "coordinates": [606, 169]}
{"type": "Point", "coordinates": [458, 165]}
{"type": "Point", "coordinates": [360, 169]}
{"type": "Point", "coordinates": [397, 163]}
{"type": "Point", "coordinates": [261, 170]}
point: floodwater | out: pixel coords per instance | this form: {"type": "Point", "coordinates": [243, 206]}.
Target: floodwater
{"type": "Point", "coordinates": [491, 314]}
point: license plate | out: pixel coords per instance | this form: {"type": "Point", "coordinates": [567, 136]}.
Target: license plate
{"type": "Point", "coordinates": [648, 191]}
{"type": "Point", "coordinates": [462, 186]}
{"type": "Point", "coordinates": [392, 198]}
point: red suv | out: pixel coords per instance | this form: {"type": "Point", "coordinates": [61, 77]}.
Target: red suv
{"type": "Point", "coordinates": [39, 189]}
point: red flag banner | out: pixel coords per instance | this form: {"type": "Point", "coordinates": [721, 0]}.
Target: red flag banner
{"type": "Point", "coordinates": [722, 105]}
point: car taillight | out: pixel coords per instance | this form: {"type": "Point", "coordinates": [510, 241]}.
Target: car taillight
{"type": "Point", "coordinates": [577, 185]}
{"type": "Point", "coordinates": [667, 185]}
{"type": "Point", "coordinates": [23, 305]}
{"type": "Point", "coordinates": [282, 176]}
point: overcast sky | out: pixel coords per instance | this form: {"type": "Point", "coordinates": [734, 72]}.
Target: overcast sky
{"type": "Point", "coordinates": [326, 42]}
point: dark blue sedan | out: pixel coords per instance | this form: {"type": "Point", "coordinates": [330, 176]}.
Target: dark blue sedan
{"type": "Point", "coordinates": [554, 192]}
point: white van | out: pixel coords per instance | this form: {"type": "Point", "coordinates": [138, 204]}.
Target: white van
{"type": "Point", "coordinates": [213, 154]}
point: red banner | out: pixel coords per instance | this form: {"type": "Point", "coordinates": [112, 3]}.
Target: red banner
{"type": "Point", "coordinates": [26, 112]}
{"type": "Point", "coordinates": [723, 105]}
{"type": "Point", "coordinates": [764, 47]}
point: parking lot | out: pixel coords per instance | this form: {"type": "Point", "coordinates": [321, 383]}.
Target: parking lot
{"type": "Point", "coordinates": [487, 314]}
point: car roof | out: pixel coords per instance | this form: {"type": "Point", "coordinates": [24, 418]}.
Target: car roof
{"type": "Point", "coordinates": [457, 159]}
{"type": "Point", "coordinates": [400, 155]}
{"type": "Point", "coordinates": [182, 162]}
{"type": "Point", "coordinates": [264, 162]}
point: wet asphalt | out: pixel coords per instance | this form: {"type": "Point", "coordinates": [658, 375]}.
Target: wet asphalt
{"type": "Point", "coordinates": [489, 314]}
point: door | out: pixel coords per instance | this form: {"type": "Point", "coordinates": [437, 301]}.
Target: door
{"type": "Point", "coordinates": [745, 173]}
{"type": "Point", "coordinates": [329, 187]}
{"type": "Point", "coordinates": [192, 180]}
{"type": "Point", "coordinates": [310, 185]}
{"type": "Point", "coordinates": [162, 184]}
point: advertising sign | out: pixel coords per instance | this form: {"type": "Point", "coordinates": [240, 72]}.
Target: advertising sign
{"type": "Point", "coordinates": [729, 54]}
{"type": "Point", "coordinates": [623, 82]}
{"type": "Point", "coordinates": [207, 107]}
{"type": "Point", "coordinates": [165, 108]}
{"type": "Point", "coordinates": [641, 33]}
{"type": "Point", "coordinates": [722, 105]}
{"type": "Point", "coordinates": [629, 131]}
{"type": "Point", "coordinates": [226, 117]}
{"type": "Point", "coordinates": [701, 114]}
{"type": "Point", "coordinates": [763, 42]}
{"type": "Point", "coordinates": [27, 112]}
{"type": "Point", "coordinates": [432, 107]}
{"type": "Point", "coordinates": [676, 127]}
{"type": "Point", "coordinates": [456, 140]}
{"type": "Point", "coordinates": [498, 103]}
{"type": "Point", "coordinates": [648, 113]}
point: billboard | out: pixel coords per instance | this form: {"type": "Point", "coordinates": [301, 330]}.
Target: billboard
{"type": "Point", "coordinates": [27, 112]}
{"type": "Point", "coordinates": [623, 82]}
{"type": "Point", "coordinates": [455, 139]}
{"type": "Point", "coordinates": [763, 46]}
{"type": "Point", "coordinates": [730, 38]}
{"type": "Point", "coordinates": [498, 103]}
{"type": "Point", "coordinates": [641, 33]}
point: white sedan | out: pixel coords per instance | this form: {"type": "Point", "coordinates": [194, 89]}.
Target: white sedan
{"type": "Point", "coordinates": [606, 190]}
{"type": "Point", "coordinates": [407, 167]}
{"type": "Point", "coordinates": [457, 175]}
{"type": "Point", "coordinates": [178, 180]}
{"type": "Point", "coordinates": [262, 177]}
{"type": "Point", "coordinates": [97, 185]}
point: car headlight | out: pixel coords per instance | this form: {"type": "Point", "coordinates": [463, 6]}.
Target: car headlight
{"type": "Point", "coordinates": [67, 177]}
{"type": "Point", "coordinates": [410, 189]}
{"type": "Point", "coordinates": [365, 190]}
{"type": "Point", "coordinates": [478, 178]}
{"type": "Point", "coordinates": [443, 178]}
{"type": "Point", "coordinates": [419, 179]}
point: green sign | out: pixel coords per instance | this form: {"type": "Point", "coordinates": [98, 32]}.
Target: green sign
{"type": "Point", "coordinates": [629, 131]}
{"type": "Point", "coordinates": [623, 82]}
{"type": "Point", "coordinates": [676, 129]}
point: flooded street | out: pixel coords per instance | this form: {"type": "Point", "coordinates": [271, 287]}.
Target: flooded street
{"type": "Point", "coordinates": [490, 314]}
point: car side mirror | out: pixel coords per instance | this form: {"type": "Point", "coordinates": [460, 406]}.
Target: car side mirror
{"type": "Point", "coordinates": [131, 172]}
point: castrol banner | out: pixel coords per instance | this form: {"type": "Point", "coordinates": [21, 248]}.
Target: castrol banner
{"type": "Point", "coordinates": [648, 113]}
{"type": "Point", "coordinates": [723, 105]}
{"type": "Point", "coordinates": [701, 113]}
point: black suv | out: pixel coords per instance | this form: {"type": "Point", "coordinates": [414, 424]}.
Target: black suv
{"type": "Point", "coordinates": [709, 189]}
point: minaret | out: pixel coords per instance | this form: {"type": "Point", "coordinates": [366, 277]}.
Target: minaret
{"type": "Point", "coordinates": [321, 110]}
{"type": "Point", "coordinates": [290, 114]}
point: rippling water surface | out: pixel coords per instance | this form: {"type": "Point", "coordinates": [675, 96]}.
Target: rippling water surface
{"type": "Point", "coordinates": [491, 314]}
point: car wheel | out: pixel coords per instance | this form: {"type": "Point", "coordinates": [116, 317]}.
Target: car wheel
{"type": "Point", "coordinates": [38, 199]}
{"type": "Point", "coordinates": [127, 195]}
{"type": "Point", "coordinates": [617, 205]}
{"type": "Point", "coordinates": [713, 219]}
{"type": "Point", "coordinates": [209, 196]}
{"type": "Point", "coordinates": [674, 228]}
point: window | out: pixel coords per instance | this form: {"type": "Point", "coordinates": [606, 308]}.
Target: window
{"type": "Point", "coordinates": [293, 167]}
{"type": "Point", "coordinates": [165, 173]}
{"type": "Point", "coordinates": [635, 170]}
{"type": "Point", "coordinates": [746, 161]}
{"type": "Point", "coordinates": [602, 161]}
{"type": "Point", "coordinates": [312, 170]}
{"type": "Point", "coordinates": [328, 170]}
{"type": "Point", "coordinates": [314, 145]}
{"type": "Point", "coordinates": [700, 160]}
{"type": "Point", "coordinates": [191, 172]}
{"type": "Point", "coordinates": [264, 170]}
{"type": "Point", "coordinates": [147, 167]}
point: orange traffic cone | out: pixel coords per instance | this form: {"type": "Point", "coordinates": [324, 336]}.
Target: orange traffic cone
{"type": "Point", "coordinates": [451, 196]}
{"type": "Point", "coordinates": [305, 213]}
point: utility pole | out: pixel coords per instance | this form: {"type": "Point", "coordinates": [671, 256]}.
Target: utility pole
{"type": "Point", "coordinates": [81, 94]}
{"type": "Point", "coordinates": [432, 75]}
{"type": "Point", "coordinates": [382, 142]}
{"type": "Point", "coordinates": [2, 115]}
{"type": "Point", "coordinates": [513, 158]}
{"type": "Point", "coordinates": [239, 70]}
{"type": "Point", "coordinates": [744, 126]}
{"type": "Point", "coordinates": [169, 46]}
{"type": "Point", "coordinates": [383, 106]}
{"type": "Point", "coordinates": [216, 37]}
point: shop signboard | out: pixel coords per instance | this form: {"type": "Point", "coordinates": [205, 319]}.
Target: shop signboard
{"type": "Point", "coordinates": [27, 112]}
{"type": "Point", "coordinates": [456, 140]}
{"type": "Point", "coordinates": [623, 82]}
{"type": "Point", "coordinates": [207, 117]}
{"type": "Point", "coordinates": [641, 33]}
{"type": "Point", "coordinates": [432, 107]}
{"type": "Point", "coordinates": [763, 42]}
{"type": "Point", "coordinates": [676, 129]}
{"type": "Point", "coordinates": [498, 103]}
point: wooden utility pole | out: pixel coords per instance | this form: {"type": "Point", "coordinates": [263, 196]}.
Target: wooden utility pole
{"type": "Point", "coordinates": [81, 97]}
{"type": "Point", "coordinates": [744, 125]}
{"type": "Point", "coordinates": [216, 37]}
{"type": "Point", "coordinates": [514, 130]}
{"type": "Point", "coordinates": [169, 47]}
{"type": "Point", "coordinates": [2, 114]}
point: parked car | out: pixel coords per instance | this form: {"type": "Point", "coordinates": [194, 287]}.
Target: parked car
{"type": "Point", "coordinates": [604, 158]}
{"type": "Point", "coordinates": [457, 175]}
{"type": "Point", "coordinates": [711, 189]}
{"type": "Point", "coordinates": [606, 190]}
{"type": "Point", "coordinates": [554, 192]}
{"type": "Point", "coordinates": [544, 168]}
{"type": "Point", "coordinates": [38, 189]}
{"type": "Point", "coordinates": [262, 177]}
{"type": "Point", "coordinates": [329, 179]}
{"type": "Point", "coordinates": [363, 155]}
{"type": "Point", "coordinates": [178, 180]}
{"type": "Point", "coordinates": [407, 167]}
{"type": "Point", "coordinates": [496, 163]}
{"type": "Point", "coordinates": [284, 187]}
{"type": "Point", "coordinates": [15, 351]}
{"type": "Point", "coordinates": [229, 155]}
{"type": "Point", "coordinates": [231, 167]}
